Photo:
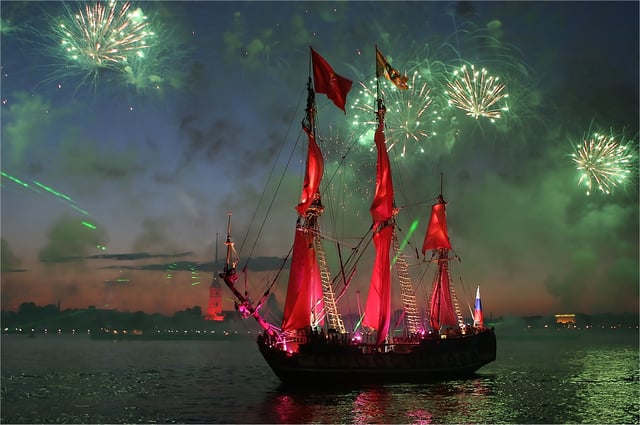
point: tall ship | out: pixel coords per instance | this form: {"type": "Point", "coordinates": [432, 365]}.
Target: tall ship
{"type": "Point", "coordinates": [316, 341]}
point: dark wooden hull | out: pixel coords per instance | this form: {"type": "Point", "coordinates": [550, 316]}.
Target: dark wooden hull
{"type": "Point", "coordinates": [343, 364]}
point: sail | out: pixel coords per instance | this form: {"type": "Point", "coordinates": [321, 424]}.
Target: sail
{"type": "Point", "coordinates": [442, 313]}
{"type": "Point", "coordinates": [382, 206]}
{"type": "Point", "coordinates": [378, 308]}
{"type": "Point", "coordinates": [437, 236]}
{"type": "Point", "coordinates": [304, 292]}
{"type": "Point", "coordinates": [301, 349]}
{"type": "Point", "coordinates": [313, 174]}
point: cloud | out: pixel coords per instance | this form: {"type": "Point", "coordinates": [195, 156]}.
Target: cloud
{"type": "Point", "coordinates": [80, 156]}
{"type": "Point", "coordinates": [152, 235]}
{"type": "Point", "coordinates": [258, 264]}
{"type": "Point", "coordinates": [25, 126]}
{"type": "Point", "coordinates": [70, 240]}
{"type": "Point", "coordinates": [135, 256]}
{"type": "Point", "coordinates": [10, 262]}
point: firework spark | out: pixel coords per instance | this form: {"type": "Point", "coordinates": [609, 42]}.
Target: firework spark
{"type": "Point", "coordinates": [410, 120]}
{"type": "Point", "coordinates": [102, 36]}
{"type": "Point", "coordinates": [477, 93]}
{"type": "Point", "coordinates": [603, 162]}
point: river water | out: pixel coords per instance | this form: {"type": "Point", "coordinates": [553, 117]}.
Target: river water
{"type": "Point", "coordinates": [551, 376]}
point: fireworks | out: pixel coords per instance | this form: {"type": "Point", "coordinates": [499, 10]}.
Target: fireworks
{"type": "Point", "coordinates": [98, 37]}
{"type": "Point", "coordinates": [477, 93]}
{"type": "Point", "coordinates": [104, 36]}
{"type": "Point", "coordinates": [603, 162]}
{"type": "Point", "coordinates": [410, 119]}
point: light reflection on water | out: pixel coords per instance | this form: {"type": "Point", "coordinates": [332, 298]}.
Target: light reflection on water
{"type": "Point", "coordinates": [551, 379]}
{"type": "Point", "coordinates": [451, 402]}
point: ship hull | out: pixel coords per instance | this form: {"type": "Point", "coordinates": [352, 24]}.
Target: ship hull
{"type": "Point", "coordinates": [345, 364]}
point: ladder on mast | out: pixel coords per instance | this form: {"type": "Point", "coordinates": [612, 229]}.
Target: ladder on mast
{"type": "Point", "coordinates": [334, 321]}
{"type": "Point", "coordinates": [407, 292]}
{"type": "Point", "coordinates": [456, 305]}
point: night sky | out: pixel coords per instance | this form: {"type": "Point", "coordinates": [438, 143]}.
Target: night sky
{"type": "Point", "coordinates": [116, 183]}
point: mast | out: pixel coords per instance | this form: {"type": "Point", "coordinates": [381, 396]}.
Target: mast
{"type": "Point", "coordinates": [378, 308]}
{"type": "Point", "coordinates": [312, 215]}
{"type": "Point", "coordinates": [310, 297]}
{"type": "Point", "coordinates": [443, 309]}
{"type": "Point", "coordinates": [229, 276]}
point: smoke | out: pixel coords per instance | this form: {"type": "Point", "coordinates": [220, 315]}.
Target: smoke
{"type": "Point", "coordinates": [10, 262]}
{"type": "Point", "coordinates": [82, 158]}
{"type": "Point", "coordinates": [25, 125]}
{"type": "Point", "coordinates": [70, 240]}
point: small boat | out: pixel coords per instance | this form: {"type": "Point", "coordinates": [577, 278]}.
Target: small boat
{"type": "Point", "coordinates": [313, 345]}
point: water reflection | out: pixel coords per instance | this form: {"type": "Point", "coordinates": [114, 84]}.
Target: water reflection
{"type": "Point", "coordinates": [452, 401]}
{"type": "Point", "coordinates": [371, 405]}
{"type": "Point", "coordinates": [607, 385]}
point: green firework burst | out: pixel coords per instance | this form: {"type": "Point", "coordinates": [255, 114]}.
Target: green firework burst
{"type": "Point", "coordinates": [604, 162]}
{"type": "Point", "coordinates": [477, 93]}
{"type": "Point", "coordinates": [411, 116]}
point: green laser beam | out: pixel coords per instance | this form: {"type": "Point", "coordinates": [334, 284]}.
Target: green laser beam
{"type": "Point", "coordinates": [405, 241]}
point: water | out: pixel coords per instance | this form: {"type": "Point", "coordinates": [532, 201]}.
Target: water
{"type": "Point", "coordinates": [548, 377]}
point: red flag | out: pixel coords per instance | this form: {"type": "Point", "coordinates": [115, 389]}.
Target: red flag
{"type": "Point", "coordinates": [326, 81]}
{"type": "Point", "coordinates": [313, 175]}
{"type": "Point", "coordinates": [390, 73]}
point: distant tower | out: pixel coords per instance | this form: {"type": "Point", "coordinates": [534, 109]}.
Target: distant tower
{"type": "Point", "coordinates": [214, 310]}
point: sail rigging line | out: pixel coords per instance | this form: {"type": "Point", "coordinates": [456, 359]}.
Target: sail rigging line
{"type": "Point", "coordinates": [267, 292]}
{"type": "Point", "coordinates": [400, 185]}
{"type": "Point", "coordinates": [467, 294]}
{"type": "Point", "coordinates": [266, 186]}
{"type": "Point", "coordinates": [330, 179]}
{"type": "Point", "coordinates": [426, 271]}
{"type": "Point", "coordinates": [245, 306]}
{"type": "Point", "coordinates": [318, 233]}
{"type": "Point", "coordinates": [359, 249]}
{"type": "Point", "coordinates": [351, 261]}
{"type": "Point", "coordinates": [352, 269]}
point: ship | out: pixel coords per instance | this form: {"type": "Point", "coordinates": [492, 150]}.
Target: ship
{"type": "Point", "coordinates": [313, 344]}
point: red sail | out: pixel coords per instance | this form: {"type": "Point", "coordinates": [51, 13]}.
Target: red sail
{"type": "Point", "coordinates": [304, 293]}
{"type": "Point", "coordinates": [313, 175]}
{"type": "Point", "coordinates": [382, 206]}
{"type": "Point", "coordinates": [442, 312]}
{"type": "Point", "coordinates": [437, 236]}
{"type": "Point", "coordinates": [378, 309]}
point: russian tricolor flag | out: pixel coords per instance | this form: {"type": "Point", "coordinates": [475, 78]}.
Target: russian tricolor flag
{"type": "Point", "coordinates": [477, 312]}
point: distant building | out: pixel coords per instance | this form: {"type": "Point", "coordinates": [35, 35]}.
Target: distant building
{"type": "Point", "coordinates": [214, 310]}
{"type": "Point", "coordinates": [566, 319]}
